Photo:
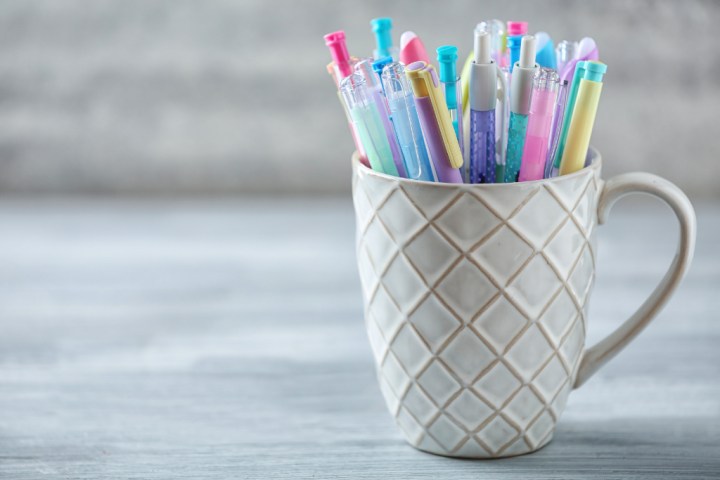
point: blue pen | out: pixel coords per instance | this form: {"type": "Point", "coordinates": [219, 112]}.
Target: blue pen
{"type": "Point", "coordinates": [379, 64]}
{"type": "Point", "coordinates": [545, 56]}
{"type": "Point", "coordinates": [520, 91]}
{"type": "Point", "coordinates": [515, 32]}
{"type": "Point", "coordinates": [382, 28]}
{"type": "Point", "coordinates": [447, 58]}
{"type": "Point", "coordinates": [401, 103]}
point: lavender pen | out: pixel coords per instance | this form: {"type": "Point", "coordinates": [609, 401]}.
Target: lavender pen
{"type": "Point", "coordinates": [435, 122]}
{"type": "Point", "coordinates": [483, 99]}
{"type": "Point", "coordinates": [558, 117]}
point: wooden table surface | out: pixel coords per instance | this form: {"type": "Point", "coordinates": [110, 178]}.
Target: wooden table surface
{"type": "Point", "coordinates": [225, 339]}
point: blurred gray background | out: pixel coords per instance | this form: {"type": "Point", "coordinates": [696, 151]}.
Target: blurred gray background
{"type": "Point", "coordinates": [149, 97]}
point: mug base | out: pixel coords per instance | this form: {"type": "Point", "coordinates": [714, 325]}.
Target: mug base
{"type": "Point", "coordinates": [481, 454]}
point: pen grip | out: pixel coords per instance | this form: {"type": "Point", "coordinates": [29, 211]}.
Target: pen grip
{"type": "Point", "coordinates": [516, 142]}
{"type": "Point", "coordinates": [537, 138]}
{"type": "Point", "coordinates": [482, 146]}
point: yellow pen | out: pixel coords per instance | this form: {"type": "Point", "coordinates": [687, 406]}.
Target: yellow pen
{"type": "Point", "coordinates": [583, 118]}
{"type": "Point", "coordinates": [435, 122]}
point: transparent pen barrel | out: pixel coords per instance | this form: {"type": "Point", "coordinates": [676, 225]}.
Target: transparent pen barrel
{"type": "Point", "coordinates": [373, 136]}
{"type": "Point", "coordinates": [482, 146]}
{"type": "Point", "coordinates": [557, 123]}
{"type": "Point", "coordinates": [456, 115]}
{"type": "Point", "coordinates": [407, 128]}
{"type": "Point", "coordinates": [516, 142]}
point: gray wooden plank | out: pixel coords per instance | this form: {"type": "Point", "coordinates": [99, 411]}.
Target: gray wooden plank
{"type": "Point", "coordinates": [224, 339]}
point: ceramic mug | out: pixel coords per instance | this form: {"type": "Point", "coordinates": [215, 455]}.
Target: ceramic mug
{"type": "Point", "coordinates": [476, 300]}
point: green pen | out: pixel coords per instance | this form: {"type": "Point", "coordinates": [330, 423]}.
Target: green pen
{"type": "Point", "coordinates": [366, 116]}
{"type": "Point", "coordinates": [572, 96]}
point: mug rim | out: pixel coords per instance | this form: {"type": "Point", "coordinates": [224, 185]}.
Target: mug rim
{"type": "Point", "coordinates": [596, 163]}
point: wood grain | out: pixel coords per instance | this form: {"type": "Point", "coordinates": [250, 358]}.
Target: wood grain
{"type": "Point", "coordinates": [224, 339]}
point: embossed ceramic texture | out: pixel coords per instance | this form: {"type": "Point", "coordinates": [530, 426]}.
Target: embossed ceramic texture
{"type": "Point", "coordinates": [476, 300]}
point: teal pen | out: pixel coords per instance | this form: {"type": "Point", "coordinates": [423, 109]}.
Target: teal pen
{"type": "Point", "coordinates": [382, 27]}
{"type": "Point", "coordinates": [447, 59]}
{"type": "Point", "coordinates": [520, 91]}
{"type": "Point", "coordinates": [572, 96]}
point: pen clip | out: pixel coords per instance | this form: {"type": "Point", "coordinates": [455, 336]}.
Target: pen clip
{"type": "Point", "coordinates": [428, 75]}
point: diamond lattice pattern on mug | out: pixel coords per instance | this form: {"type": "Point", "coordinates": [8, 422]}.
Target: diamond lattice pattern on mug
{"type": "Point", "coordinates": [425, 312]}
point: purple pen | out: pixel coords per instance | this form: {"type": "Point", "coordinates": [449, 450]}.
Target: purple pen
{"type": "Point", "coordinates": [364, 68]}
{"type": "Point", "coordinates": [557, 122]}
{"type": "Point", "coordinates": [435, 122]}
{"type": "Point", "coordinates": [483, 99]}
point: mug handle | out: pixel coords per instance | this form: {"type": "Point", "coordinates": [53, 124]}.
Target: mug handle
{"type": "Point", "coordinates": [595, 357]}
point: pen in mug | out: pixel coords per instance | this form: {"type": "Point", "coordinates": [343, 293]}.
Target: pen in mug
{"type": "Point", "coordinates": [483, 100]}
{"type": "Point", "coordinates": [412, 49]}
{"type": "Point", "coordinates": [464, 86]}
{"type": "Point", "coordinates": [572, 95]}
{"type": "Point", "coordinates": [545, 55]}
{"type": "Point", "coordinates": [496, 30]}
{"type": "Point", "coordinates": [520, 91]}
{"type": "Point", "coordinates": [447, 58]}
{"type": "Point", "coordinates": [502, 121]}
{"type": "Point", "coordinates": [556, 126]}
{"type": "Point", "coordinates": [515, 33]}
{"type": "Point", "coordinates": [332, 70]}
{"type": "Point", "coordinates": [498, 52]}
{"type": "Point", "coordinates": [339, 68]}
{"type": "Point", "coordinates": [586, 50]}
{"type": "Point", "coordinates": [583, 118]}
{"type": "Point", "coordinates": [365, 113]}
{"type": "Point", "coordinates": [564, 52]}
{"type": "Point", "coordinates": [372, 83]}
{"type": "Point", "coordinates": [335, 41]}
{"type": "Point", "coordinates": [382, 27]}
{"type": "Point", "coordinates": [435, 122]}
{"type": "Point", "coordinates": [405, 120]}
{"type": "Point", "coordinates": [498, 40]}
{"type": "Point", "coordinates": [542, 103]}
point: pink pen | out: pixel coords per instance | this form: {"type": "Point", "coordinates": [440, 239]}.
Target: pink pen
{"type": "Point", "coordinates": [340, 68]}
{"type": "Point", "coordinates": [542, 104]}
{"type": "Point", "coordinates": [412, 49]}
{"type": "Point", "coordinates": [335, 41]}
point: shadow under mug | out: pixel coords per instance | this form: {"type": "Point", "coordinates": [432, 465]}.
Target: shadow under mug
{"type": "Point", "coordinates": [476, 300]}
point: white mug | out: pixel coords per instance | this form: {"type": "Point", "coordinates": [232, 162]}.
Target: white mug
{"type": "Point", "coordinates": [476, 300]}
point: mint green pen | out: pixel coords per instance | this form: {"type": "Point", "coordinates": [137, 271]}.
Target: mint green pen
{"type": "Point", "coordinates": [572, 96]}
{"type": "Point", "coordinates": [521, 83]}
{"type": "Point", "coordinates": [366, 116]}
